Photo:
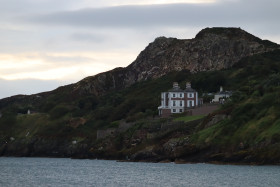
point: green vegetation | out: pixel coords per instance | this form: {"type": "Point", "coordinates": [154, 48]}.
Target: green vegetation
{"type": "Point", "coordinates": [253, 110]}
{"type": "Point", "coordinates": [189, 118]}
{"type": "Point", "coordinates": [255, 106]}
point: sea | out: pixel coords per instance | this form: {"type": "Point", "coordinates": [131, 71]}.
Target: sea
{"type": "Point", "coordinates": [67, 172]}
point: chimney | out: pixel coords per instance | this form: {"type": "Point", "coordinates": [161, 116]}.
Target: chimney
{"type": "Point", "coordinates": [175, 85]}
{"type": "Point", "coordinates": [188, 85]}
{"type": "Point", "coordinates": [221, 88]}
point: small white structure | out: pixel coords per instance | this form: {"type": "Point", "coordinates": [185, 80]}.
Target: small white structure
{"type": "Point", "coordinates": [74, 142]}
{"type": "Point", "coordinates": [221, 95]}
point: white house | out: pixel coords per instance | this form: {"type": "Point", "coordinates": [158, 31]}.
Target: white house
{"type": "Point", "coordinates": [221, 95]}
{"type": "Point", "coordinates": [177, 100]}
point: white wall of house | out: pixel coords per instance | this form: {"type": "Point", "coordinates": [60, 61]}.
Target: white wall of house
{"type": "Point", "coordinates": [177, 103]}
{"type": "Point", "coordinates": [183, 99]}
{"type": "Point", "coordinates": [177, 106]}
{"type": "Point", "coordinates": [190, 95]}
{"type": "Point", "coordinates": [196, 99]}
{"type": "Point", "coordinates": [177, 109]}
{"type": "Point", "coordinates": [218, 96]}
{"type": "Point", "coordinates": [176, 94]}
{"type": "Point", "coordinates": [190, 103]}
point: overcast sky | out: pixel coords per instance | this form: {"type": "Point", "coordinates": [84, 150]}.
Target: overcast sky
{"type": "Point", "coordinates": [48, 43]}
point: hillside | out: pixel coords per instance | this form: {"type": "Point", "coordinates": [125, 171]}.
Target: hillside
{"type": "Point", "coordinates": [211, 49]}
{"type": "Point", "coordinates": [113, 114]}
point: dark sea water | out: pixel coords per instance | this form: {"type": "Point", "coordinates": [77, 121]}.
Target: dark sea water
{"type": "Point", "coordinates": [68, 172]}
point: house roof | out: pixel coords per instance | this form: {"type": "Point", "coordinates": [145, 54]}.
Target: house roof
{"type": "Point", "coordinates": [189, 90]}
{"type": "Point", "coordinates": [176, 90]}
{"type": "Point", "coordinates": [224, 93]}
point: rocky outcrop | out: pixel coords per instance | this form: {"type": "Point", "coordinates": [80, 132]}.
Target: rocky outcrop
{"type": "Point", "coordinates": [216, 119]}
{"type": "Point", "coordinates": [211, 49]}
{"type": "Point", "coordinates": [45, 147]}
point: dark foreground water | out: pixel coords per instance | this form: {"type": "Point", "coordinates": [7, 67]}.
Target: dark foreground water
{"type": "Point", "coordinates": [68, 172]}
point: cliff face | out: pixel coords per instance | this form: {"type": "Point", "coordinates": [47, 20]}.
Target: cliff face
{"type": "Point", "coordinates": [211, 49]}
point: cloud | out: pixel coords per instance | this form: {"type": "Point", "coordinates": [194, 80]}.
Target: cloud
{"type": "Point", "coordinates": [61, 66]}
{"type": "Point", "coordinates": [89, 37]}
{"type": "Point", "coordinates": [66, 59]}
{"type": "Point", "coordinates": [168, 15]}
{"type": "Point", "coordinates": [70, 39]}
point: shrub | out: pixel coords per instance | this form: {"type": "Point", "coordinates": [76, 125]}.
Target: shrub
{"type": "Point", "coordinates": [135, 117]}
{"type": "Point", "coordinates": [48, 106]}
{"type": "Point", "coordinates": [7, 120]}
{"type": "Point", "coordinates": [59, 111]}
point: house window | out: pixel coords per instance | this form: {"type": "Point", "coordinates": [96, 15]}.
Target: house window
{"type": "Point", "coordinates": [180, 95]}
{"type": "Point", "coordinates": [174, 110]}
{"type": "Point", "coordinates": [190, 104]}
{"type": "Point", "coordinates": [174, 103]}
{"type": "Point", "coordinates": [173, 95]}
{"type": "Point", "coordinates": [181, 110]}
{"type": "Point", "coordinates": [190, 95]}
{"type": "Point", "coordinates": [181, 104]}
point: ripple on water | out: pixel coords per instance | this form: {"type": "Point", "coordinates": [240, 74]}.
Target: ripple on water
{"type": "Point", "coordinates": [68, 172]}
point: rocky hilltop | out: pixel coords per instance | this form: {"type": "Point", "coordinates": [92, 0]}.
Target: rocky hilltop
{"type": "Point", "coordinates": [113, 115]}
{"type": "Point", "coordinates": [211, 49]}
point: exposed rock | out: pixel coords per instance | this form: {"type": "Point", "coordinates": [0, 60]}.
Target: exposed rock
{"type": "Point", "coordinates": [215, 119]}
{"type": "Point", "coordinates": [211, 49]}
{"type": "Point", "coordinates": [147, 154]}
{"type": "Point", "coordinates": [76, 122]}
{"type": "Point", "coordinates": [105, 133]}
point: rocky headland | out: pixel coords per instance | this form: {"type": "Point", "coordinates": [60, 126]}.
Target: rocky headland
{"type": "Point", "coordinates": [113, 115]}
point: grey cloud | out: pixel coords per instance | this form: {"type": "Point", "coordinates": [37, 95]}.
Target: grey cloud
{"type": "Point", "coordinates": [69, 60]}
{"type": "Point", "coordinates": [222, 13]}
{"type": "Point", "coordinates": [34, 68]}
{"type": "Point", "coordinates": [88, 37]}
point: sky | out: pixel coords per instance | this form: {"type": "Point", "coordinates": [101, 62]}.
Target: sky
{"type": "Point", "coordinates": [49, 43]}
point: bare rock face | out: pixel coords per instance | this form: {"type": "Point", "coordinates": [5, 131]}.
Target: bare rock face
{"type": "Point", "coordinates": [211, 49]}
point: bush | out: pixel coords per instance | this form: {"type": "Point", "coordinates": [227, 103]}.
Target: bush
{"type": "Point", "coordinates": [103, 113]}
{"type": "Point", "coordinates": [7, 120]}
{"type": "Point", "coordinates": [48, 106]}
{"type": "Point", "coordinates": [88, 103]}
{"type": "Point", "coordinates": [59, 111]}
{"type": "Point", "coordinates": [135, 117]}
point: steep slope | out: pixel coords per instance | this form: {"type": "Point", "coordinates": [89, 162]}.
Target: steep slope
{"type": "Point", "coordinates": [66, 121]}
{"type": "Point", "coordinates": [211, 49]}
{"type": "Point", "coordinates": [120, 125]}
